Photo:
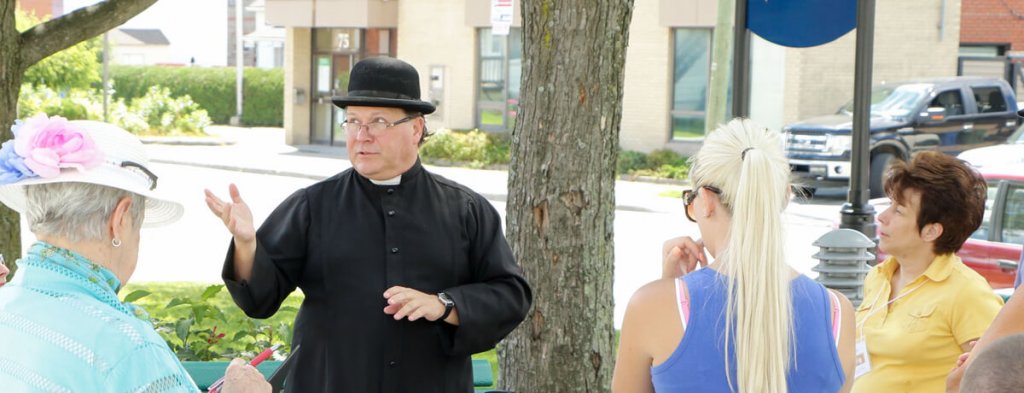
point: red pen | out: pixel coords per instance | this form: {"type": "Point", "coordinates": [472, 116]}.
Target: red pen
{"type": "Point", "coordinates": [215, 387]}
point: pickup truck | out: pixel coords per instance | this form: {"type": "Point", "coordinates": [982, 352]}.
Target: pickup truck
{"type": "Point", "coordinates": [947, 114]}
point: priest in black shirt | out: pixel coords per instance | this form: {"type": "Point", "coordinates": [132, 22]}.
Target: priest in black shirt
{"type": "Point", "coordinates": [405, 273]}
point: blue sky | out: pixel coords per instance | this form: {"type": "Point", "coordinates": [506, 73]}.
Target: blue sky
{"type": "Point", "coordinates": [194, 27]}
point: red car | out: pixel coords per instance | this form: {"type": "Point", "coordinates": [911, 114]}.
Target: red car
{"type": "Point", "coordinates": [995, 248]}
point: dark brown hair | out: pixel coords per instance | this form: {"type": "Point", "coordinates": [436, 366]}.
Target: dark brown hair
{"type": "Point", "coordinates": [952, 194]}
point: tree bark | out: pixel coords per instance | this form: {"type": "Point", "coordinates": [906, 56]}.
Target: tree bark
{"type": "Point", "coordinates": [28, 48]}
{"type": "Point", "coordinates": [561, 202]}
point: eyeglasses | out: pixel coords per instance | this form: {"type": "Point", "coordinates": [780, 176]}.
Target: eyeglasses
{"type": "Point", "coordinates": [690, 195]}
{"type": "Point", "coordinates": [375, 127]}
{"type": "Point", "coordinates": [134, 166]}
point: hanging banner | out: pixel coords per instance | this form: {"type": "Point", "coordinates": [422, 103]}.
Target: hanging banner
{"type": "Point", "coordinates": [501, 16]}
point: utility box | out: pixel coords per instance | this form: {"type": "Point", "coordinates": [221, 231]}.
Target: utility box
{"type": "Point", "coordinates": [844, 261]}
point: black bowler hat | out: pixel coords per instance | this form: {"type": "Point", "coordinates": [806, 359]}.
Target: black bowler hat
{"type": "Point", "coordinates": [384, 81]}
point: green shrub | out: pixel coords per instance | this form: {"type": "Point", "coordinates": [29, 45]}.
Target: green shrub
{"type": "Point", "coordinates": [663, 163]}
{"type": "Point", "coordinates": [166, 115]}
{"type": "Point", "coordinates": [202, 323]}
{"type": "Point", "coordinates": [475, 148]}
{"type": "Point", "coordinates": [212, 88]}
{"type": "Point", "coordinates": [156, 113]}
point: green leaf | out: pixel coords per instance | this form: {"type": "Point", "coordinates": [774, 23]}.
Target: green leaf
{"type": "Point", "coordinates": [181, 329]}
{"type": "Point", "coordinates": [136, 295]}
{"type": "Point", "coordinates": [199, 311]}
{"type": "Point", "coordinates": [177, 302]}
{"type": "Point", "coordinates": [212, 291]}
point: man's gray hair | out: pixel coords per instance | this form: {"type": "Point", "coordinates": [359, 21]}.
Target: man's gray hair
{"type": "Point", "coordinates": [997, 369]}
{"type": "Point", "coordinates": [76, 211]}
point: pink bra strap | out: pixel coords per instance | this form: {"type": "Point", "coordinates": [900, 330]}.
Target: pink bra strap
{"type": "Point", "coordinates": [837, 317]}
{"type": "Point", "coordinates": [683, 301]}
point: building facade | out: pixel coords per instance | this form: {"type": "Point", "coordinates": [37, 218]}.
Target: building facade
{"type": "Point", "coordinates": [473, 74]}
{"type": "Point", "coordinates": [139, 47]}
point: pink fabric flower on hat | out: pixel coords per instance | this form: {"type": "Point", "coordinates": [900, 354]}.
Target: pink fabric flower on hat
{"type": "Point", "coordinates": [51, 143]}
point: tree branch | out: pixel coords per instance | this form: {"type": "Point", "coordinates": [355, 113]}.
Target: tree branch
{"type": "Point", "coordinates": [57, 34]}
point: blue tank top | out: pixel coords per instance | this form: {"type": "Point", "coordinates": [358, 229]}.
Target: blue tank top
{"type": "Point", "coordinates": [697, 364]}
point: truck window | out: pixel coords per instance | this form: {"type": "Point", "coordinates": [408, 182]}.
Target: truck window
{"type": "Point", "coordinates": [1013, 219]}
{"type": "Point", "coordinates": [989, 99]}
{"type": "Point", "coordinates": [949, 100]}
{"type": "Point", "coordinates": [986, 222]}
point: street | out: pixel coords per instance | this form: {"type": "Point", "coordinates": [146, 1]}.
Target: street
{"type": "Point", "coordinates": [193, 248]}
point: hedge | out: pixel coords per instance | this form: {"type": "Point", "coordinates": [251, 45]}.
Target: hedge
{"type": "Point", "coordinates": [212, 88]}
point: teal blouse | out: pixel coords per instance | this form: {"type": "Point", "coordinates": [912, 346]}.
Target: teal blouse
{"type": "Point", "coordinates": [64, 329]}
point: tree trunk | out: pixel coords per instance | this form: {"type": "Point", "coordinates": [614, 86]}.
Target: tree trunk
{"type": "Point", "coordinates": [10, 83]}
{"type": "Point", "coordinates": [561, 202]}
{"type": "Point", "coordinates": [22, 50]}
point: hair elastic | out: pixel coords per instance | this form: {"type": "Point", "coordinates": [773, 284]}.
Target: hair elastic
{"type": "Point", "coordinates": [743, 155]}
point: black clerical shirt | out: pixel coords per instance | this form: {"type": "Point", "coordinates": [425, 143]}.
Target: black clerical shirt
{"type": "Point", "coordinates": [344, 241]}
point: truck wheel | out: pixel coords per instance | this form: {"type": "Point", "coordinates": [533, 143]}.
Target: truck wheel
{"type": "Point", "coordinates": [879, 164]}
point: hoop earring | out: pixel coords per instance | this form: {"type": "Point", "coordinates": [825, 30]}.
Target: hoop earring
{"type": "Point", "coordinates": [116, 242]}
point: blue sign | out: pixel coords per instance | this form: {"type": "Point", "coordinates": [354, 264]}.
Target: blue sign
{"type": "Point", "coordinates": [801, 23]}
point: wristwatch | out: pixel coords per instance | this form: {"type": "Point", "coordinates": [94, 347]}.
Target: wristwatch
{"type": "Point", "coordinates": [448, 303]}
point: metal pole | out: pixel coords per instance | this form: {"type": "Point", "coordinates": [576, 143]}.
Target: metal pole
{"type": "Point", "coordinates": [239, 27]}
{"type": "Point", "coordinates": [720, 66]}
{"type": "Point", "coordinates": [106, 77]}
{"type": "Point", "coordinates": [741, 63]}
{"type": "Point", "coordinates": [857, 214]}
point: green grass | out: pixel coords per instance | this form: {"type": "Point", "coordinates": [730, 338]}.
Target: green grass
{"type": "Point", "coordinates": [677, 194]}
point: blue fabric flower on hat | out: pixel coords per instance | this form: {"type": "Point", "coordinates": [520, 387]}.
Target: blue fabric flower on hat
{"type": "Point", "coordinates": [12, 166]}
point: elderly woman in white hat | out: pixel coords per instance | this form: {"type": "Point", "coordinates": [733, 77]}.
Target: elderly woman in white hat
{"type": "Point", "coordinates": [86, 191]}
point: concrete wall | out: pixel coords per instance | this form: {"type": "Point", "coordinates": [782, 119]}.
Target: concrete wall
{"type": "Point", "coordinates": [436, 33]}
{"type": "Point", "coordinates": [298, 69]}
{"type": "Point", "coordinates": [767, 83]}
{"type": "Point", "coordinates": [647, 90]}
{"type": "Point", "coordinates": [907, 45]}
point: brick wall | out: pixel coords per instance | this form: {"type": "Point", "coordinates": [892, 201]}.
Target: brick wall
{"type": "Point", "coordinates": [993, 22]}
{"type": "Point", "coordinates": [41, 8]}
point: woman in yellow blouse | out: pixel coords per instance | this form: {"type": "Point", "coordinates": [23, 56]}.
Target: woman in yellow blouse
{"type": "Point", "coordinates": [922, 305]}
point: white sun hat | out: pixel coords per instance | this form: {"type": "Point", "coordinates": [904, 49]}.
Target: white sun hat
{"type": "Point", "coordinates": [124, 165]}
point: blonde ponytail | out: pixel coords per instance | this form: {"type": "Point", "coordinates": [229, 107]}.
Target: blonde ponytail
{"type": "Point", "coordinates": [759, 308]}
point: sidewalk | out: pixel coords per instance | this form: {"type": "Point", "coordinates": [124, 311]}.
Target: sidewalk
{"type": "Point", "coordinates": [263, 151]}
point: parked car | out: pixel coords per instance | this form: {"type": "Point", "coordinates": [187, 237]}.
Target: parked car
{"type": "Point", "coordinates": [947, 114]}
{"type": "Point", "coordinates": [995, 248]}
{"type": "Point", "coordinates": [1011, 153]}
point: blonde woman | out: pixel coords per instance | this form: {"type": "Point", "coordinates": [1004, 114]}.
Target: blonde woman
{"type": "Point", "coordinates": [747, 322]}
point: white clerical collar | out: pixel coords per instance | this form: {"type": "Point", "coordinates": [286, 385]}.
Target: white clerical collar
{"type": "Point", "coordinates": [394, 181]}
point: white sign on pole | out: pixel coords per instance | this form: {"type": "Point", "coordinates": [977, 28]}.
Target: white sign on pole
{"type": "Point", "coordinates": [501, 16]}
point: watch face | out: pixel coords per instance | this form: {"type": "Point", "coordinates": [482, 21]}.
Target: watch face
{"type": "Point", "coordinates": [447, 300]}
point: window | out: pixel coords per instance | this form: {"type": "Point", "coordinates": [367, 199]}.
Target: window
{"type": "Point", "coordinates": [1013, 215]}
{"type": "Point", "coordinates": [989, 99]}
{"type": "Point", "coordinates": [691, 73]}
{"type": "Point", "coordinates": [500, 70]}
{"type": "Point", "coordinates": [951, 101]}
{"type": "Point", "coordinates": [985, 229]}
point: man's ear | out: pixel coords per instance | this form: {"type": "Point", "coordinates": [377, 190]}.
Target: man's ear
{"type": "Point", "coordinates": [419, 127]}
{"type": "Point", "coordinates": [120, 219]}
{"type": "Point", "coordinates": [931, 232]}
